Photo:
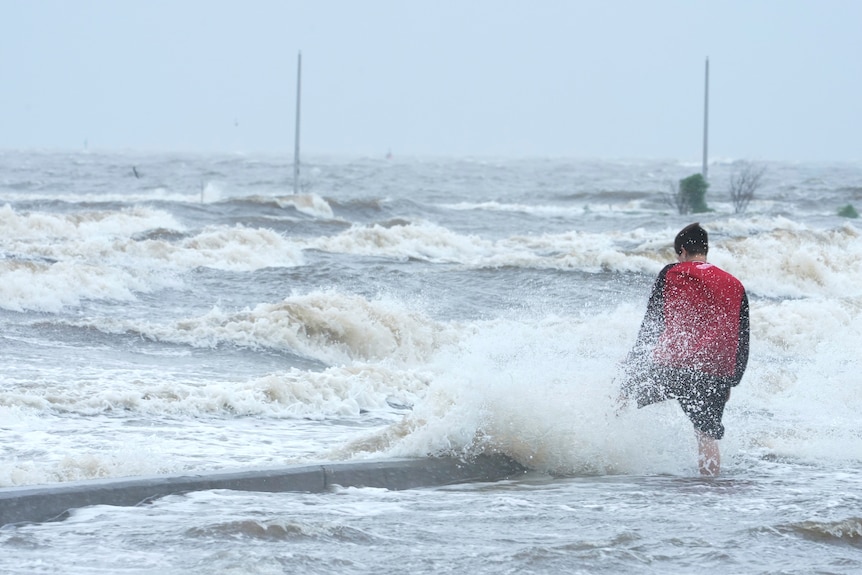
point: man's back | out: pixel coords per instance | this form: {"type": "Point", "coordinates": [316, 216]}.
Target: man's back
{"type": "Point", "coordinates": [703, 313]}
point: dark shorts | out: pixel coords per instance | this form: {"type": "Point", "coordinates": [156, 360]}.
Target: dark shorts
{"type": "Point", "coordinates": [701, 396]}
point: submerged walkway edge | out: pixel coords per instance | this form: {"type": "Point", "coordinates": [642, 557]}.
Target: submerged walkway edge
{"type": "Point", "coordinates": [29, 504]}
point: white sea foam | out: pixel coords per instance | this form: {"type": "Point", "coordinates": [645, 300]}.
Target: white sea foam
{"type": "Point", "coordinates": [52, 261]}
{"type": "Point", "coordinates": [543, 392]}
{"type": "Point", "coordinates": [308, 204]}
{"type": "Point", "coordinates": [290, 394]}
{"type": "Point", "coordinates": [424, 241]}
{"type": "Point", "coordinates": [329, 326]}
{"type": "Point", "coordinates": [538, 386]}
{"type": "Point", "coordinates": [236, 249]}
{"type": "Point", "coordinates": [589, 207]}
{"type": "Point", "coordinates": [50, 287]}
{"type": "Point", "coordinates": [157, 194]}
{"type": "Point", "coordinates": [41, 228]}
{"type": "Point", "coordinates": [774, 257]}
{"type": "Point", "coordinates": [105, 255]}
{"type": "Point", "coordinates": [800, 263]}
{"type": "Point", "coordinates": [198, 418]}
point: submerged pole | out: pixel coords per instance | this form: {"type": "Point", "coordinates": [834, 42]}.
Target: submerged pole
{"type": "Point", "coordinates": [705, 120]}
{"type": "Point", "coordinates": [296, 142]}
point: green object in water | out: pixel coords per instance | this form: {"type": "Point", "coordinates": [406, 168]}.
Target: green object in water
{"type": "Point", "coordinates": [848, 211]}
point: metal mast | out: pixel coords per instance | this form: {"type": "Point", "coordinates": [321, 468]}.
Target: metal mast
{"type": "Point", "coordinates": [296, 142]}
{"type": "Point", "coordinates": [705, 120]}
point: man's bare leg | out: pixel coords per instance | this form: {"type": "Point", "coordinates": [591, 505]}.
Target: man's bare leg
{"type": "Point", "coordinates": [708, 456]}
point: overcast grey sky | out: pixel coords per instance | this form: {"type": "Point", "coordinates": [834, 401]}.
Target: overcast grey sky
{"type": "Point", "coordinates": [597, 79]}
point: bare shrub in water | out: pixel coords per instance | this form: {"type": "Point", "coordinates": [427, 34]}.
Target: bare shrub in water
{"type": "Point", "coordinates": [744, 182]}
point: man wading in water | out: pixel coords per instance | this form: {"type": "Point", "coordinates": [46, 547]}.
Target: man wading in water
{"type": "Point", "coordinates": [693, 342]}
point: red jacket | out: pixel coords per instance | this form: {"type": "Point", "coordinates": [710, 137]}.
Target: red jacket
{"type": "Point", "coordinates": [697, 318]}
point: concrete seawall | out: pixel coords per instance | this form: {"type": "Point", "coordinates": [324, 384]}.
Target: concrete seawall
{"type": "Point", "coordinates": [31, 504]}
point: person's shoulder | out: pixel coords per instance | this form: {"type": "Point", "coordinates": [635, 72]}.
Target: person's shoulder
{"type": "Point", "coordinates": [727, 274]}
{"type": "Point", "coordinates": [664, 271]}
{"type": "Point", "coordinates": [706, 270]}
{"type": "Point", "coordinates": [728, 277]}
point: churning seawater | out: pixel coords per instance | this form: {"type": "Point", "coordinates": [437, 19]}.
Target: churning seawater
{"type": "Point", "coordinates": [166, 313]}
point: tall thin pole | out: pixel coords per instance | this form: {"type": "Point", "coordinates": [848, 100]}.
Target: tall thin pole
{"type": "Point", "coordinates": [705, 120]}
{"type": "Point", "coordinates": [296, 143]}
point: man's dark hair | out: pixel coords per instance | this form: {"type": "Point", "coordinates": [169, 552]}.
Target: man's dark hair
{"type": "Point", "coordinates": [693, 238]}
